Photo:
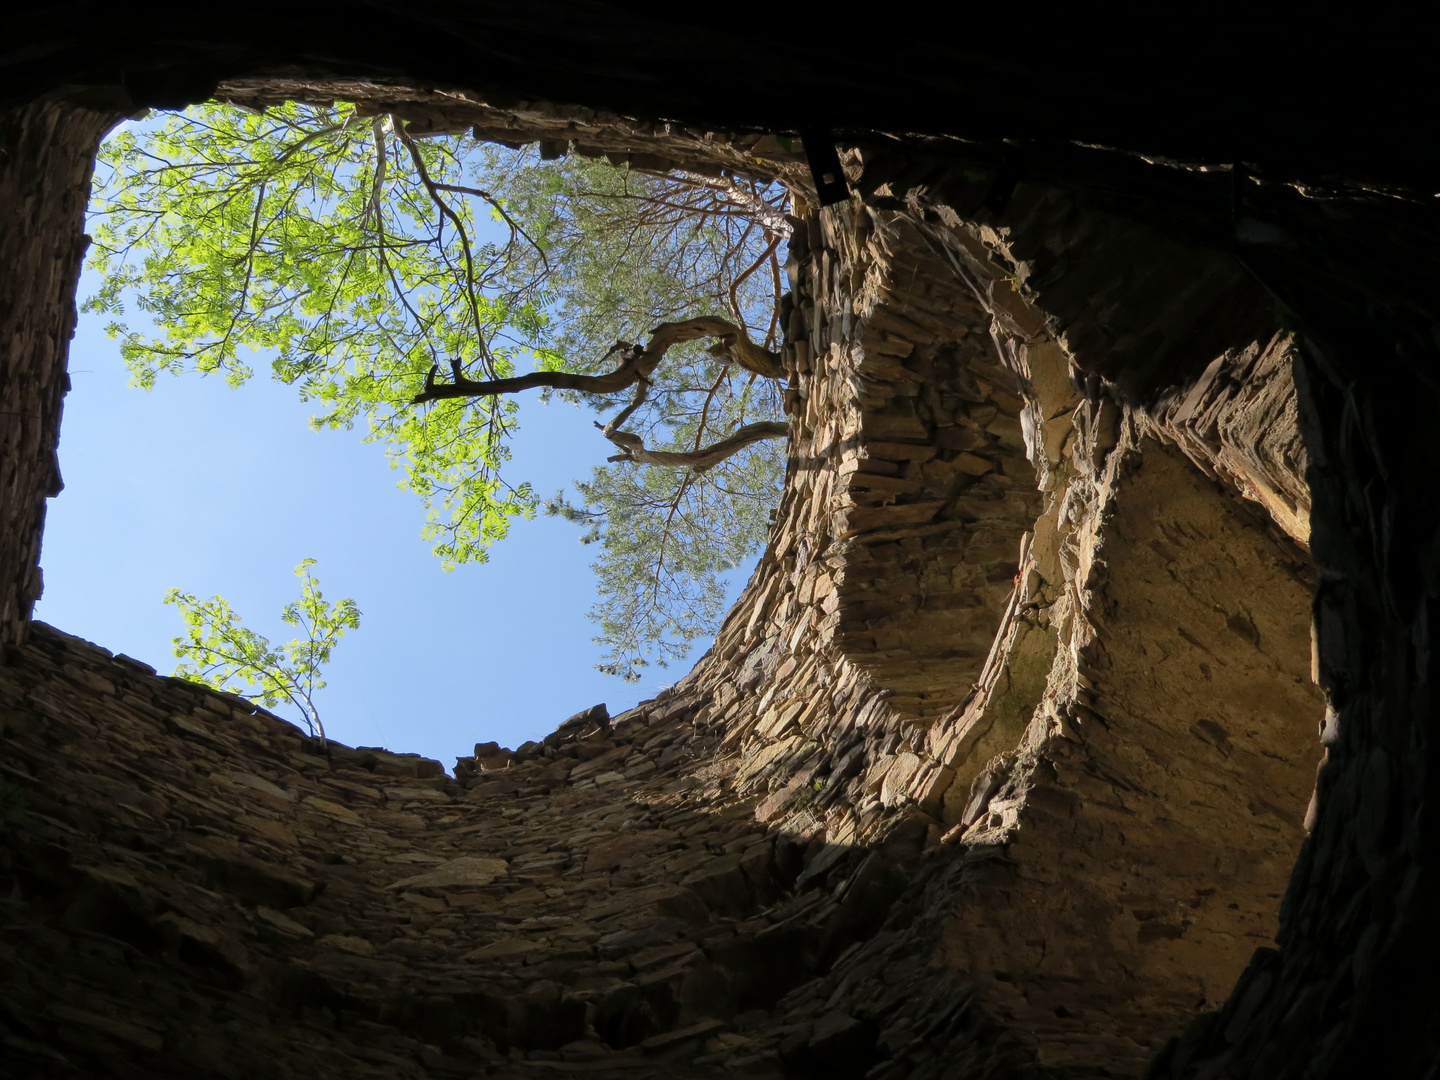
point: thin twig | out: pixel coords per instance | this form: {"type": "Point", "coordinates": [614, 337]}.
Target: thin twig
{"type": "Point", "coordinates": [515, 226]}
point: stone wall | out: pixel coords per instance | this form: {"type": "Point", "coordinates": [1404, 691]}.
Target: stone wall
{"type": "Point", "coordinates": [1108, 856]}
{"type": "Point", "coordinates": [1338, 997]}
{"type": "Point", "coordinates": [49, 150]}
{"type": "Point", "coordinates": [999, 766]}
{"type": "Point", "coordinates": [557, 129]}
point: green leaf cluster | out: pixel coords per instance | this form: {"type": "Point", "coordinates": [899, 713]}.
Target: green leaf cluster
{"type": "Point", "coordinates": [351, 257]}
{"type": "Point", "coordinates": [223, 654]}
{"type": "Point", "coordinates": [307, 236]}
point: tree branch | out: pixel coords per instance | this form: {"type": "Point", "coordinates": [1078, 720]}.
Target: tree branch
{"type": "Point", "coordinates": [515, 226]}
{"type": "Point", "coordinates": [446, 211]}
{"type": "Point", "coordinates": [771, 217]}
{"type": "Point", "coordinates": [637, 363]}
{"type": "Point", "coordinates": [705, 408]}
{"type": "Point", "coordinates": [377, 185]}
{"type": "Point", "coordinates": [738, 349]}
{"type": "Point", "coordinates": [609, 430]}
{"type": "Point", "coordinates": [632, 447]}
{"type": "Point", "coordinates": [740, 279]}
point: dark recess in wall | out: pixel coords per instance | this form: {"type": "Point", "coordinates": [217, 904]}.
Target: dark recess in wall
{"type": "Point", "coordinates": [1295, 95]}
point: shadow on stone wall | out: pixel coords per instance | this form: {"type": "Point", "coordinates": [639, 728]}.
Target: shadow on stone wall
{"type": "Point", "coordinates": [997, 768]}
{"type": "Point", "coordinates": [194, 886]}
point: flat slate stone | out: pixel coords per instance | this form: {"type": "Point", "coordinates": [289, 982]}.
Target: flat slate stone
{"type": "Point", "coordinates": [464, 871]}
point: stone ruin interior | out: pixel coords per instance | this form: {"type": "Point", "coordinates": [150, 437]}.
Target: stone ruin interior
{"type": "Point", "coordinates": [1075, 722]}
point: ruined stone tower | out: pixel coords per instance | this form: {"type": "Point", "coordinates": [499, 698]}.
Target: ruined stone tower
{"type": "Point", "coordinates": [1107, 523]}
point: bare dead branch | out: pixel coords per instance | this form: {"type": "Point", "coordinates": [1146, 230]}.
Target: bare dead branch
{"type": "Point", "coordinates": [771, 217]}
{"type": "Point", "coordinates": [772, 334]}
{"type": "Point", "coordinates": [377, 185]}
{"type": "Point", "coordinates": [740, 278]}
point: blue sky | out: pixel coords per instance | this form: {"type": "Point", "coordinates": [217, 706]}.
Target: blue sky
{"type": "Point", "coordinates": [213, 490]}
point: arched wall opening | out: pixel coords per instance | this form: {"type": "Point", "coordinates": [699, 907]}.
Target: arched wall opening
{"type": "Point", "coordinates": [1151, 843]}
{"type": "Point", "coordinates": [941, 493]}
{"type": "Point", "coordinates": [1145, 850]}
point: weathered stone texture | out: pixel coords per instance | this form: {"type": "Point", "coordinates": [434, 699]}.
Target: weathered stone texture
{"type": "Point", "coordinates": [195, 887]}
{"type": "Point", "coordinates": [1347, 992]}
{"type": "Point", "coordinates": [558, 129]}
{"type": "Point", "coordinates": [1239, 422]}
{"type": "Point", "coordinates": [48, 153]}
{"type": "Point", "coordinates": [998, 768]}
{"type": "Point", "coordinates": [1095, 751]}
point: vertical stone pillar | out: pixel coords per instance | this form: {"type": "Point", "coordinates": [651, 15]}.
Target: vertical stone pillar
{"type": "Point", "coordinates": [47, 153]}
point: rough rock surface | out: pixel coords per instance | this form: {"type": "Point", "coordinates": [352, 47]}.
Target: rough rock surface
{"type": "Point", "coordinates": [194, 887]}
{"type": "Point", "coordinates": [999, 767]}
{"type": "Point", "coordinates": [49, 150]}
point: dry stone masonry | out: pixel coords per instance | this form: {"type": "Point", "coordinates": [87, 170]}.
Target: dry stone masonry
{"type": "Point", "coordinates": [49, 150]}
{"type": "Point", "coordinates": [1000, 766]}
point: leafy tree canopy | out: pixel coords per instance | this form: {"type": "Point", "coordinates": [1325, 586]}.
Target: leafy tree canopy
{"type": "Point", "coordinates": [359, 260]}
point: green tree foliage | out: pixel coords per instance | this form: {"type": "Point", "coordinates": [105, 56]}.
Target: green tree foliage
{"type": "Point", "coordinates": [312, 236]}
{"type": "Point", "coordinates": [225, 655]}
{"type": "Point", "coordinates": [632, 250]}
{"type": "Point", "coordinates": [665, 540]}
{"type": "Point", "coordinates": [357, 259]}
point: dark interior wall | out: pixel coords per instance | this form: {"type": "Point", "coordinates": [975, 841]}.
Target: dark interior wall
{"type": "Point", "coordinates": [1345, 994]}
{"type": "Point", "coordinates": [46, 152]}
{"type": "Point", "coordinates": [1301, 95]}
{"type": "Point", "coordinates": [1357, 930]}
{"type": "Point", "coordinates": [1354, 272]}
